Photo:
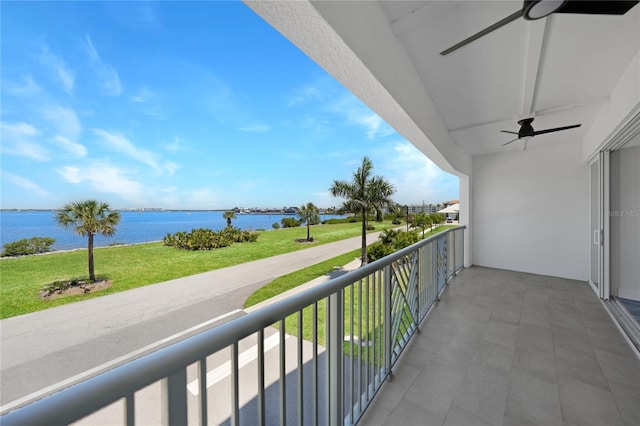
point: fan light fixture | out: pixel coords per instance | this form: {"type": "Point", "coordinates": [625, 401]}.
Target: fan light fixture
{"type": "Point", "coordinates": [536, 9]}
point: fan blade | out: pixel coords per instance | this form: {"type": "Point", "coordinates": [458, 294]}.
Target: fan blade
{"type": "Point", "coordinates": [484, 32]}
{"type": "Point", "coordinates": [557, 129]}
{"type": "Point", "coordinates": [505, 144]}
{"type": "Point", "coordinates": [509, 131]}
{"type": "Point", "coordinates": [608, 7]}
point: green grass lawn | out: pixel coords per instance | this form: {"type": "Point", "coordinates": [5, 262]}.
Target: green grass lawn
{"type": "Point", "coordinates": [130, 267]}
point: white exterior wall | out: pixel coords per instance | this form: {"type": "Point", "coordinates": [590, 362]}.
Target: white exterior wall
{"type": "Point", "coordinates": [531, 211]}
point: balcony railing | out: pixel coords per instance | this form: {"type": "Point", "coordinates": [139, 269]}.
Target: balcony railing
{"type": "Point", "coordinates": [336, 345]}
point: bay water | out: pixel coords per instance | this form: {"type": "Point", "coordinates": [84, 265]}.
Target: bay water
{"type": "Point", "coordinates": [134, 227]}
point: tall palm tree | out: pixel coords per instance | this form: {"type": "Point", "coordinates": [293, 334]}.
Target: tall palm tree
{"type": "Point", "coordinates": [88, 218]}
{"type": "Point", "coordinates": [422, 220]}
{"type": "Point", "coordinates": [310, 215]}
{"type": "Point", "coordinates": [230, 215]}
{"type": "Point", "coordinates": [365, 194]}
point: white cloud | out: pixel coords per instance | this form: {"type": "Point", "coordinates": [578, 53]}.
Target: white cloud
{"type": "Point", "coordinates": [119, 143]}
{"type": "Point", "coordinates": [170, 167]}
{"type": "Point", "coordinates": [17, 140]}
{"type": "Point", "coordinates": [27, 87]}
{"type": "Point", "coordinates": [415, 177]}
{"type": "Point", "coordinates": [64, 120]}
{"type": "Point", "coordinates": [72, 148]}
{"type": "Point", "coordinates": [255, 128]}
{"type": "Point", "coordinates": [59, 67]}
{"type": "Point", "coordinates": [25, 184]}
{"type": "Point", "coordinates": [175, 146]}
{"type": "Point", "coordinates": [357, 113]}
{"type": "Point", "coordinates": [305, 93]}
{"type": "Point", "coordinates": [108, 75]}
{"type": "Point", "coordinates": [202, 198]}
{"type": "Point", "coordinates": [143, 95]}
{"type": "Point", "coordinates": [103, 178]}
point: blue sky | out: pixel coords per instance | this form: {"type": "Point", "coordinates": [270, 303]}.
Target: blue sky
{"type": "Point", "coordinates": [191, 106]}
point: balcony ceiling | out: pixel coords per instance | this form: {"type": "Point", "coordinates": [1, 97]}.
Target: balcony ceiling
{"type": "Point", "coordinates": [560, 69]}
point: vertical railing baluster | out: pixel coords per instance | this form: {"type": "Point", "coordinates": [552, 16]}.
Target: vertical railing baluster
{"type": "Point", "coordinates": [174, 391]}
{"type": "Point", "coordinates": [235, 386]}
{"type": "Point", "coordinates": [367, 362]}
{"type": "Point", "coordinates": [283, 376]}
{"type": "Point", "coordinates": [130, 410]}
{"type": "Point", "coordinates": [359, 394]}
{"type": "Point", "coordinates": [335, 401]}
{"type": "Point", "coordinates": [300, 370]}
{"type": "Point", "coordinates": [351, 353]}
{"type": "Point", "coordinates": [380, 343]}
{"type": "Point", "coordinates": [202, 396]}
{"type": "Point", "coordinates": [315, 393]}
{"type": "Point", "coordinates": [416, 264]}
{"type": "Point", "coordinates": [387, 322]}
{"type": "Point", "coordinates": [261, 402]}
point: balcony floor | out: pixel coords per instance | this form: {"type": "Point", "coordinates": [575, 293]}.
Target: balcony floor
{"type": "Point", "coordinates": [510, 348]}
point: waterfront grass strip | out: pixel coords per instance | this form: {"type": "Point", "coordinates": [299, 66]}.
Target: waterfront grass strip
{"type": "Point", "coordinates": [129, 267]}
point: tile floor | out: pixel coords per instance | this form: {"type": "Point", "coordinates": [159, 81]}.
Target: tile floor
{"type": "Point", "coordinates": [510, 348]}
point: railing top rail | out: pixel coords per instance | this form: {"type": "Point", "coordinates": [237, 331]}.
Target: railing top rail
{"type": "Point", "coordinates": [87, 397]}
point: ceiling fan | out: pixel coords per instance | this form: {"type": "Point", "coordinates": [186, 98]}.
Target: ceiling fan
{"type": "Point", "coordinates": [526, 130]}
{"type": "Point", "coordinates": [536, 9]}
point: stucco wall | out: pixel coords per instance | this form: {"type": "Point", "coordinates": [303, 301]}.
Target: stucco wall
{"type": "Point", "coordinates": [531, 211]}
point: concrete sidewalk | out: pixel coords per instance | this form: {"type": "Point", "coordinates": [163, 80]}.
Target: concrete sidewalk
{"type": "Point", "coordinates": [42, 348]}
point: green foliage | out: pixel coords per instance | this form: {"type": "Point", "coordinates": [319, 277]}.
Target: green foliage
{"type": "Point", "coordinates": [28, 246]}
{"type": "Point", "coordinates": [207, 239]}
{"type": "Point", "coordinates": [275, 225]}
{"type": "Point", "coordinates": [290, 222]}
{"type": "Point", "coordinates": [88, 218]}
{"type": "Point", "coordinates": [423, 221]}
{"type": "Point", "coordinates": [365, 195]}
{"type": "Point", "coordinates": [230, 215]}
{"type": "Point", "coordinates": [310, 215]}
{"type": "Point", "coordinates": [335, 220]}
{"type": "Point", "coordinates": [137, 265]}
{"type": "Point", "coordinates": [390, 241]}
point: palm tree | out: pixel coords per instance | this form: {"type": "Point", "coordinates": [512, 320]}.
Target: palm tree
{"type": "Point", "coordinates": [365, 194]}
{"type": "Point", "coordinates": [436, 218]}
{"type": "Point", "coordinates": [230, 215]}
{"type": "Point", "coordinates": [422, 220]}
{"type": "Point", "coordinates": [310, 215]}
{"type": "Point", "coordinates": [88, 218]}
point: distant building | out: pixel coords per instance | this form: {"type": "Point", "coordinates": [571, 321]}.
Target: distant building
{"type": "Point", "coordinates": [420, 208]}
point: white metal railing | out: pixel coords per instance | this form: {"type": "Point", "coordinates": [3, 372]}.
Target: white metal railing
{"type": "Point", "coordinates": [336, 345]}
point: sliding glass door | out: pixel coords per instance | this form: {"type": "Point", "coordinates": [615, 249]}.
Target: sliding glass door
{"type": "Point", "coordinates": [599, 275]}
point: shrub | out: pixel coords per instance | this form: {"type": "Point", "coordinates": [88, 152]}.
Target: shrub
{"type": "Point", "coordinates": [28, 246]}
{"type": "Point", "coordinates": [391, 240]}
{"type": "Point", "coordinates": [207, 239]}
{"type": "Point", "coordinates": [290, 222]}
{"type": "Point", "coordinates": [335, 220]}
{"type": "Point", "coordinates": [396, 221]}
{"type": "Point", "coordinates": [378, 250]}
{"type": "Point", "coordinates": [275, 225]}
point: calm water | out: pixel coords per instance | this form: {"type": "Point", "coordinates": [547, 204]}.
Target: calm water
{"type": "Point", "coordinates": [134, 227]}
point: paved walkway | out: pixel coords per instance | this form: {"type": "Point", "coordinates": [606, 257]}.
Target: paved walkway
{"type": "Point", "coordinates": [43, 348]}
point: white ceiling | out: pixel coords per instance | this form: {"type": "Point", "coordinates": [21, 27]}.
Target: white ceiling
{"type": "Point", "coordinates": [560, 69]}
